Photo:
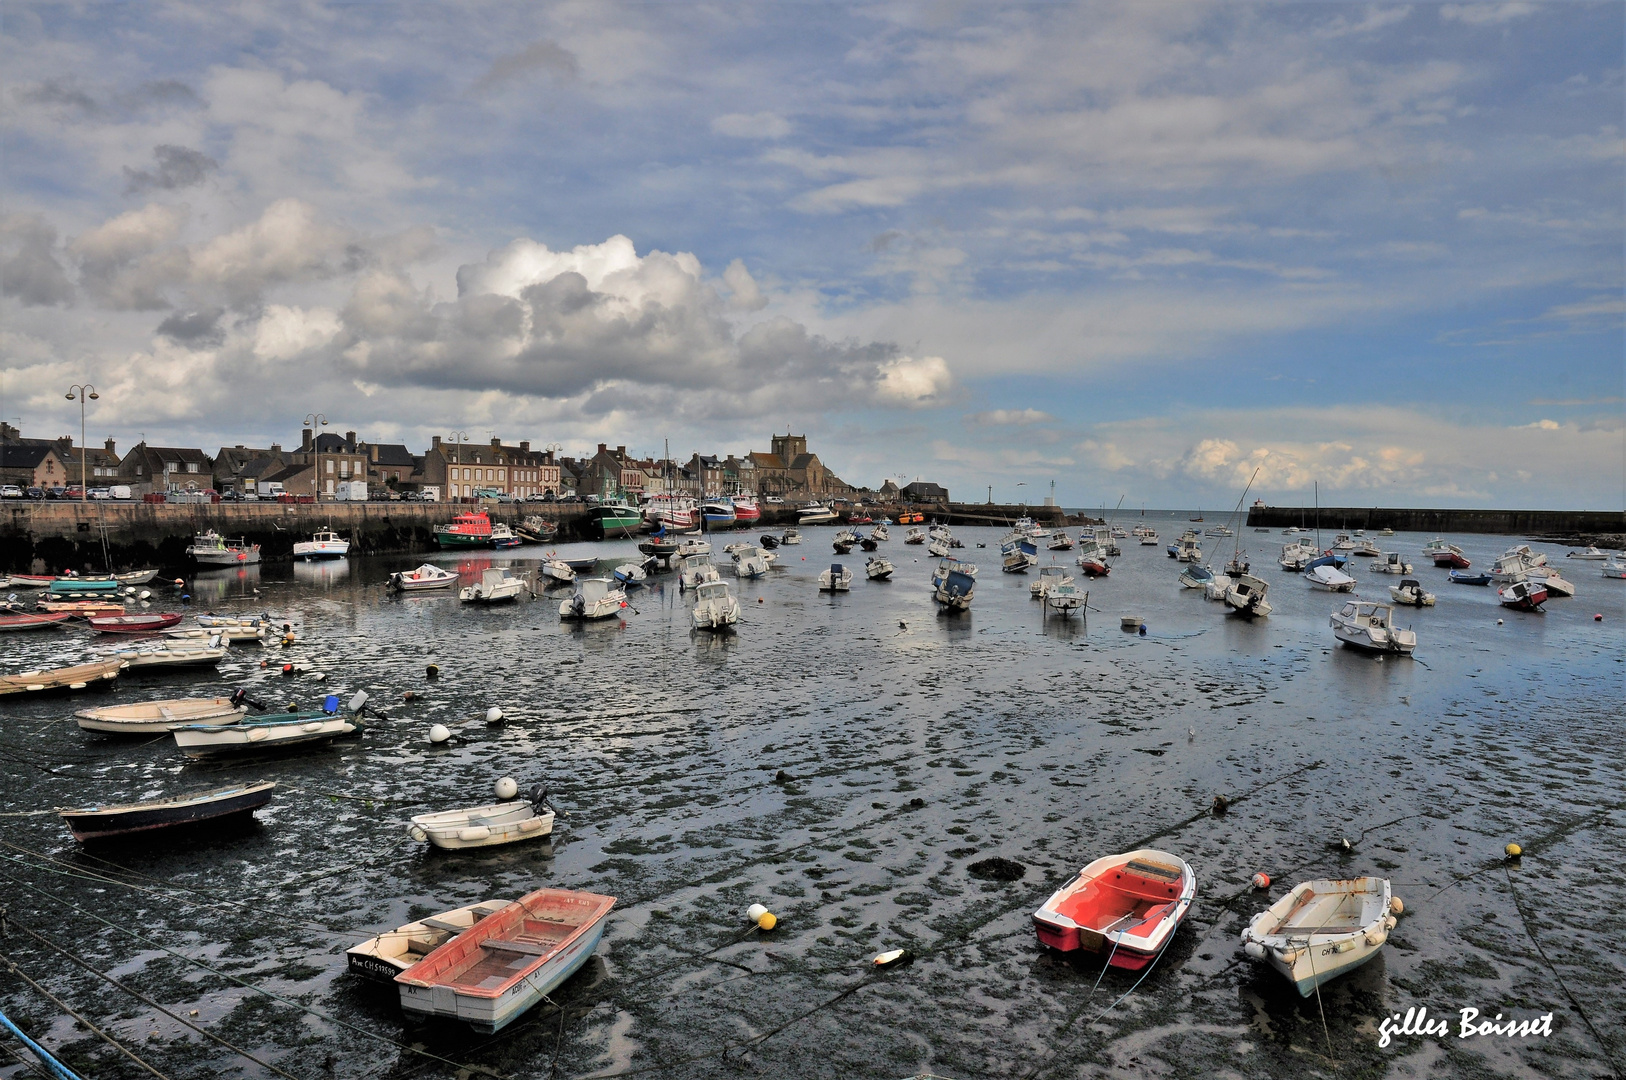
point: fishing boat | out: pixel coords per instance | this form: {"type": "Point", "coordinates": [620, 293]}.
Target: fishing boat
{"type": "Point", "coordinates": [489, 975]}
{"type": "Point", "coordinates": [1127, 906]}
{"type": "Point", "coordinates": [1390, 563]}
{"type": "Point", "coordinates": [26, 621]}
{"type": "Point", "coordinates": [1370, 627]}
{"type": "Point", "coordinates": [1329, 577]}
{"type": "Point", "coordinates": [746, 510]}
{"type": "Point", "coordinates": [325, 544]}
{"type": "Point", "coordinates": [1060, 541]}
{"type": "Point", "coordinates": [1196, 576]}
{"type": "Point", "coordinates": [1449, 556]}
{"type": "Point", "coordinates": [147, 656]}
{"type": "Point", "coordinates": [792, 535]}
{"type": "Point", "coordinates": [1591, 553]}
{"type": "Point", "coordinates": [594, 598]}
{"type": "Point", "coordinates": [717, 514]}
{"type": "Point", "coordinates": [878, 568]}
{"type": "Point", "coordinates": [555, 569]}
{"type": "Point", "coordinates": [695, 570]}
{"type": "Point", "coordinates": [674, 513]}
{"type": "Point", "coordinates": [497, 585]}
{"type": "Point", "coordinates": [530, 818]}
{"type": "Point", "coordinates": [157, 717]}
{"type": "Point", "coordinates": [1411, 593]}
{"type": "Point", "coordinates": [271, 732]}
{"type": "Point", "coordinates": [537, 530]}
{"type": "Point", "coordinates": [1246, 595]}
{"type": "Point", "coordinates": [211, 549]}
{"type": "Point", "coordinates": [916, 535]}
{"type": "Point", "coordinates": [1613, 569]}
{"type": "Point", "coordinates": [714, 607]}
{"type": "Point", "coordinates": [427, 576]}
{"type": "Point", "coordinates": [386, 955]}
{"type": "Point", "coordinates": [956, 585]}
{"type": "Point", "coordinates": [1049, 577]}
{"type": "Point", "coordinates": [838, 578]}
{"type": "Point", "coordinates": [132, 624]}
{"type": "Point", "coordinates": [750, 563]}
{"type": "Point", "coordinates": [504, 537]}
{"type": "Point", "coordinates": [616, 519]}
{"type": "Point", "coordinates": [93, 823]}
{"type": "Point", "coordinates": [1091, 559]}
{"type": "Point", "coordinates": [1321, 929]}
{"type": "Point", "coordinates": [1064, 598]}
{"type": "Point", "coordinates": [1148, 538]}
{"type": "Point", "coordinates": [470, 530]}
{"type": "Point", "coordinates": [1526, 594]}
{"type": "Point", "coordinates": [75, 677]}
{"type": "Point", "coordinates": [1460, 578]}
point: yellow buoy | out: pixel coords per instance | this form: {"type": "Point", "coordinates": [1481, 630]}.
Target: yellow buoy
{"type": "Point", "coordinates": [760, 915]}
{"type": "Point", "coordinates": [1513, 851]}
{"type": "Point", "coordinates": [1396, 905]}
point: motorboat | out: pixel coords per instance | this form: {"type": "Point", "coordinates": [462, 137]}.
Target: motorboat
{"type": "Point", "coordinates": [1105, 542]}
{"type": "Point", "coordinates": [1343, 542]}
{"type": "Point", "coordinates": [714, 607]}
{"type": "Point", "coordinates": [74, 677]}
{"type": "Point", "coordinates": [1246, 595]}
{"type": "Point", "coordinates": [958, 582]}
{"type": "Point", "coordinates": [750, 562]}
{"type": "Point", "coordinates": [272, 732]}
{"type": "Point", "coordinates": [1458, 577]}
{"type": "Point", "coordinates": [30, 621]}
{"type": "Point", "coordinates": [556, 569]}
{"type": "Point", "coordinates": [497, 585]}
{"type": "Point", "coordinates": [1148, 538]}
{"type": "Point", "coordinates": [869, 543]}
{"type": "Point", "coordinates": [1390, 563]}
{"type": "Point", "coordinates": [530, 818]}
{"type": "Point", "coordinates": [386, 955]}
{"type": "Point", "coordinates": [1386, 531]}
{"type": "Point", "coordinates": [878, 568]}
{"type": "Point", "coordinates": [1530, 555]}
{"type": "Point", "coordinates": [1189, 548]}
{"type": "Point", "coordinates": [1329, 577]}
{"type": "Point", "coordinates": [427, 576]}
{"type": "Point", "coordinates": [489, 975]}
{"type": "Point", "coordinates": [1060, 541]}
{"type": "Point", "coordinates": [1510, 566]}
{"type": "Point", "coordinates": [792, 535]}
{"type": "Point", "coordinates": [1049, 577]}
{"type": "Point", "coordinates": [1127, 906]}
{"type": "Point", "coordinates": [1557, 585]}
{"type": "Point", "coordinates": [1064, 598]}
{"type": "Point", "coordinates": [1365, 547]}
{"type": "Point", "coordinates": [940, 572]}
{"type": "Point", "coordinates": [1591, 553]}
{"type": "Point", "coordinates": [595, 598]}
{"type": "Point", "coordinates": [880, 533]}
{"type": "Point", "coordinates": [1238, 564]}
{"type": "Point", "coordinates": [938, 546]}
{"type": "Point", "coordinates": [324, 544]}
{"type": "Point", "coordinates": [1216, 588]}
{"type": "Point", "coordinates": [169, 654]}
{"type": "Point", "coordinates": [916, 535]}
{"type": "Point", "coordinates": [1196, 576]}
{"type": "Point", "coordinates": [1411, 593]}
{"type": "Point", "coordinates": [1525, 594]}
{"type": "Point", "coordinates": [1218, 530]}
{"type": "Point", "coordinates": [133, 624]}
{"type": "Point", "coordinates": [1322, 929]}
{"type": "Point", "coordinates": [768, 541]}
{"type": "Point", "coordinates": [1091, 559]}
{"type": "Point", "coordinates": [1019, 559]}
{"type": "Point", "coordinates": [838, 578]}
{"type": "Point", "coordinates": [815, 514]}
{"type": "Point", "coordinates": [1449, 556]}
{"type": "Point", "coordinates": [157, 717]}
{"type": "Point", "coordinates": [632, 575]}
{"type": "Point", "coordinates": [504, 537]}
{"type": "Point", "coordinates": [695, 570]}
{"type": "Point", "coordinates": [1438, 544]}
{"type": "Point", "coordinates": [693, 546]}
{"type": "Point", "coordinates": [844, 541]}
{"type": "Point", "coordinates": [93, 823]}
{"type": "Point", "coordinates": [1613, 569]}
{"type": "Point", "coordinates": [1370, 626]}
{"type": "Point", "coordinates": [470, 530]}
{"type": "Point", "coordinates": [211, 549]}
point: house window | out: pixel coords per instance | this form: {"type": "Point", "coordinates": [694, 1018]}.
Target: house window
{"type": "Point", "coordinates": [191, 466]}
{"type": "Point", "coordinates": [344, 467]}
{"type": "Point", "coordinates": [330, 484]}
{"type": "Point", "coordinates": [330, 466]}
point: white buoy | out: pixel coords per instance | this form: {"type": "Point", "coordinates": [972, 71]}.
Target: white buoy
{"type": "Point", "coordinates": [146, 594]}
{"type": "Point", "coordinates": [439, 733]}
{"type": "Point", "coordinates": [493, 715]}
{"type": "Point", "coordinates": [507, 788]}
{"type": "Point", "coordinates": [764, 919]}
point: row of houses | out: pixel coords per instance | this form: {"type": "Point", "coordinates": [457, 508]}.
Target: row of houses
{"type": "Point", "coordinates": [328, 465]}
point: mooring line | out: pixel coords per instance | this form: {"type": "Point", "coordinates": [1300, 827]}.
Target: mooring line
{"type": "Point", "coordinates": [11, 966]}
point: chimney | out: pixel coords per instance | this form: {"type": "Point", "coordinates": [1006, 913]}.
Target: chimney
{"type": "Point", "coordinates": [621, 450]}
{"type": "Point", "coordinates": [276, 448]}
{"type": "Point", "coordinates": [110, 451]}
{"type": "Point", "coordinates": [305, 440]}
{"type": "Point", "coordinates": [375, 453]}
{"type": "Point", "coordinates": [434, 442]}
{"type": "Point", "coordinates": [350, 440]}
{"type": "Point", "coordinates": [525, 447]}
{"type": "Point", "coordinates": [602, 448]}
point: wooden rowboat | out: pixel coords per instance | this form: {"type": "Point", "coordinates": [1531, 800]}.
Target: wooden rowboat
{"type": "Point", "coordinates": [1127, 906]}
{"type": "Point", "coordinates": [491, 974]}
{"type": "Point", "coordinates": [77, 677]}
{"type": "Point", "coordinates": [486, 826]}
{"type": "Point", "coordinates": [394, 951]}
{"type": "Point", "coordinates": [156, 717]}
{"type": "Point", "coordinates": [32, 622]}
{"type": "Point", "coordinates": [133, 624]}
{"type": "Point", "coordinates": [120, 819]}
{"type": "Point", "coordinates": [85, 609]}
{"type": "Point", "coordinates": [1321, 929]}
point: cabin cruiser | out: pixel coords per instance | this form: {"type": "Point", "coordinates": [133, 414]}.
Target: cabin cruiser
{"type": "Point", "coordinates": [595, 598]}
{"type": "Point", "coordinates": [714, 607]}
{"type": "Point", "coordinates": [815, 514]}
{"type": "Point", "coordinates": [1369, 626]}
{"type": "Point", "coordinates": [1246, 596]}
{"type": "Point", "coordinates": [1410, 592]}
{"type": "Point", "coordinates": [325, 544]}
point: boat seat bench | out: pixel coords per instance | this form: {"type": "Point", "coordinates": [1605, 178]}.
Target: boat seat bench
{"type": "Point", "coordinates": [442, 924]}
{"type": "Point", "coordinates": [529, 948]}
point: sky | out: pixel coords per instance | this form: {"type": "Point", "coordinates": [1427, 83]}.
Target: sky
{"type": "Point", "coordinates": [1138, 251]}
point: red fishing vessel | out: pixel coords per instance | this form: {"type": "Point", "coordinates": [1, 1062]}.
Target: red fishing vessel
{"type": "Point", "coordinates": [465, 531]}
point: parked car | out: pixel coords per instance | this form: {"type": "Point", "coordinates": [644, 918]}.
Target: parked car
{"type": "Point", "coordinates": [56, 491]}
{"type": "Point", "coordinates": [101, 494]}
{"type": "Point", "coordinates": [36, 493]}
{"type": "Point", "coordinates": [73, 491]}
{"type": "Point", "coordinates": [230, 496]}
{"type": "Point", "coordinates": [10, 491]}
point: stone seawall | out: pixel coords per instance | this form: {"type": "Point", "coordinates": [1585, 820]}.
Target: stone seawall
{"type": "Point", "coordinates": [1594, 525]}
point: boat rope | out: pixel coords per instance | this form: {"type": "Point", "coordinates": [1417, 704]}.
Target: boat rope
{"type": "Point", "coordinates": [144, 999]}
{"type": "Point", "coordinates": [52, 1066]}
{"type": "Point", "coordinates": [1524, 916]}
{"type": "Point", "coordinates": [1309, 950]}
{"type": "Point", "coordinates": [1046, 1062]}
{"type": "Point", "coordinates": [11, 966]}
{"type": "Point", "coordinates": [33, 1067]}
{"type": "Point", "coordinates": [127, 932]}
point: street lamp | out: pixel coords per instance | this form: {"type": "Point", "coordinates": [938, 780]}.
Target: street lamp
{"type": "Point", "coordinates": [458, 437]}
{"type": "Point", "coordinates": [79, 390]}
{"type": "Point", "coordinates": [312, 421]}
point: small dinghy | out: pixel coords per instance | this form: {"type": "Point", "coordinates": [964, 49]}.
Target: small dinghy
{"type": "Point", "coordinates": [264, 734]}
{"type": "Point", "coordinates": [158, 717]}
{"type": "Point", "coordinates": [1460, 578]}
{"type": "Point", "coordinates": [1411, 593]}
{"type": "Point", "coordinates": [1390, 563]}
{"type": "Point", "coordinates": [1523, 595]}
{"type": "Point", "coordinates": [24, 621]}
{"type": "Point", "coordinates": [838, 578]}
{"type": "Point", "coordinates": [121, 819]}
{"type": "Point", "coordinates": [77, 677]}
{"type": "Point", "coordinates": [83, 588]}
{"type": "Point", "coordinates": [133, 624]}
{"type": "Point", "coordinates": [878, 568]}
{"type": "Point", "coordinates": [714, 607]}
{"type": "Point", "coordinates": [171, 654]}
{"type": "Point", "coordinates": [384, 957]}
{"type": "Point", "coordinates": [1127, 906]}
{"type": "Point", "coordinates": [236, 627]}
{"type": "Point", "coordinates": [558, 570]}
{"type": "Point", "coordinates": [83, 609]}
{"type": "Point", "coordinates": [1321, 929]}
{"type": "Point", "coordinates": [486, 826]}
{"type": "Point", "coordinates": [504, 964]}
{"type": "Point", "coordinates": [631, 575]}
{"type": "Point", "coordinates": [768, 540]}
{"type": "Point", "coordinates": [427, 576]}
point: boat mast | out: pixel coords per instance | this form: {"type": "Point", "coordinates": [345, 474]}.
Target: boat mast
{"type": "Point", "coordinates": [1236, 556]}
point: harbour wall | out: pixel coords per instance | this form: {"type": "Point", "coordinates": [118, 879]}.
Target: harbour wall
{"type": "Point", "coordinates": [1594, 526]}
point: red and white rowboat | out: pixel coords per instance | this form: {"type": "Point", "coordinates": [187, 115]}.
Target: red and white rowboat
{"type": "Point", "coordinates": [1127, 906]}
{"type": "Point", "coordinates": [33, 622]}
{"type": "Point", "coordinates": [133, 624]}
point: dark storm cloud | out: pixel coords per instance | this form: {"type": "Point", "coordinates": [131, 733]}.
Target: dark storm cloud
{"type": "Point", "coordinates": [195, 329]}
{"type": "Point", "coordinates": [178, 167]}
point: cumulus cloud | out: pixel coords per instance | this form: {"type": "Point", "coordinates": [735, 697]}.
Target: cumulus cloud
{"type": "Point", "coordinates": [127, 263]}
{"type": "Point", "coordinates": [762, 125]}
{"type": "Point", "coordinates": [177, 167]}
{"type": "Point", "coordinates": [744, 293]}
{"type": "Point", "coordinates": [29, 269]}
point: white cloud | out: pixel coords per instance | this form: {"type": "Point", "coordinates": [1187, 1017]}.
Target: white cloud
{"type": "Point", "coordinates": [1486, 14]}
{"type": "Point", "coordinates": [1009, 417]}
{"type": "Point", "coordinates": [762, 125]}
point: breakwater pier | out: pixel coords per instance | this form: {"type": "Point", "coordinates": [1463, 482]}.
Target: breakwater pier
{"type": "Point", "coordinates": [1603, 527]}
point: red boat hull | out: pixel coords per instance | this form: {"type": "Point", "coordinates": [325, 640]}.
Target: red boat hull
{"type": "Point", "coordinates": [1096, 569]}
{"type": "Point", "coordinates": [132, 624]}
{"type": "Point", "coordinates": [1453, 560]}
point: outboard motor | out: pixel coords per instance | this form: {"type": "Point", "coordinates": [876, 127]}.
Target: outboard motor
{"type": "Point", "coordinates": [539, 798]}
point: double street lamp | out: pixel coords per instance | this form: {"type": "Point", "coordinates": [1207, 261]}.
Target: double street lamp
{"type": "Point", "coordinates": [81, 390]}
{"type": "Point", "coordinates": [313, 421]}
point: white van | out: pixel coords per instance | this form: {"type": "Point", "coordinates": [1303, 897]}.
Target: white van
{"type": "Point", "coordinates": [119, 491]}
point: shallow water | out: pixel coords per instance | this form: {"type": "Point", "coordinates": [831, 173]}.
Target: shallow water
{"type": "Point", "coordinates": [1041, 742]}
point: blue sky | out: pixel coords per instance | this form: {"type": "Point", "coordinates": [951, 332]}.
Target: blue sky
{"type": "Point", "coordinates": [1139, 250]}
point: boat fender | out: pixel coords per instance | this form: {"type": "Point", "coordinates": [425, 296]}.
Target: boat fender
{"type": "Point", "coordinates": [530, 825]}
{"type": "Point", "coordinates": [1254, 950]}
{"type": "Point", "coordinates": [476, 832]}
{"type": "Point", "coordinates": [494, 716]}
{"type": "Point", "coordinates": [1344, 946]}
{"type": "Point", "coordinates": [314, 725]}
{"type": "Point", "coordinates": [416, 832]}
{"type": "Point", "coordinates": [257, 734]}
{"type": "Point", "coordinates": [894, 958]}
{"type": "Point", "coordinates": [762, 917]}
{"type": "Point", "coordinates": [1376, 937]}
